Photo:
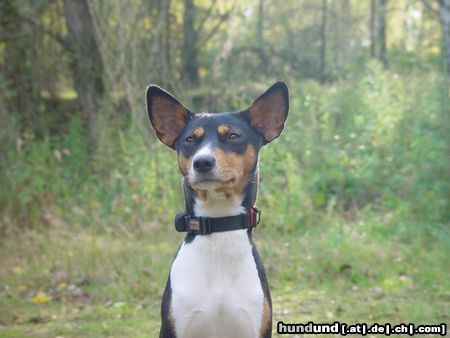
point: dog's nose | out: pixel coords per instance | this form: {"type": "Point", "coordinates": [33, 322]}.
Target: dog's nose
{"type": "Point", "coordinates": [204, 163]}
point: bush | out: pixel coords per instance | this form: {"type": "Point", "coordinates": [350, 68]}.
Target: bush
{"type": "Point", "coordinates": [377, 142]}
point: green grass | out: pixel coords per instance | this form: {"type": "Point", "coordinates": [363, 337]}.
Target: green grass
{"type": "Point", "coordinates": [110, 285]}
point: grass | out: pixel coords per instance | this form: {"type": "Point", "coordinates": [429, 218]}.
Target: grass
{"type": "Point", "coordinates": [110, 284]}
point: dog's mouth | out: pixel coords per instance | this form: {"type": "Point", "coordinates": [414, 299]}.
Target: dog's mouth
{"type": "Point", "coordinates": [208, 183]}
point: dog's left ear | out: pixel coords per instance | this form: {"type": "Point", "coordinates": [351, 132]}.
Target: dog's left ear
{"type": "Point", "coordinates": [167, 115]}
{"type": "Point", "coordinates": [269, 111]}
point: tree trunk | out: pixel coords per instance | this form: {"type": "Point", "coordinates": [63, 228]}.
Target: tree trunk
{"type": "Point", "coordinates": [373, 9]}
{"type": "Point", "coordinates": [17, 66]}
{"type": "Point", "coordinates": [260, 35]}
{"type": "Point", "coordinates": [168, 76]}
{"type": "Point", "coordinates": [323, 42]}
{"type": "Point", "coordinates": [382, 32]}
{"type": "Point", "coordinates": [86, 62]}
{"type": "Point", "coordinates": [189, 52]}
{"type": "Point", "coordinates": [444, 13]}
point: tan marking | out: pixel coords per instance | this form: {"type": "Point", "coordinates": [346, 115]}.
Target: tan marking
{"type": "Point", "coordinates": [234, 169]}
{"type": "Point", "coordinates": [184, 163]}
{"type": "Point", "coordinates": [198, 132]}
{"type": "Point", "coordinates": [227, 191]}
{"type": "Point", "coordinates": [223, 130]}
{"type": "Point", "coordinates": [202, 195]}
{"type": "Point", "coordinates": [265, 318]}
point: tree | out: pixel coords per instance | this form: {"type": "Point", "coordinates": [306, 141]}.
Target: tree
{"type": "Point", "coordinates": [382, 32]}
{"type": "Point", "coordinates": [323, 42]}
{"type": "Point", "coordinates": [373, 9]}
{"type": "Point", "coordinates": [444, 13]}
{"type": "Point", "coordinates": [18, 63]}
{"type": "Point", "coordinates": [260, 35]}
{"type": "Point", "coordinates": [87, 65]}
{"type": "Point", "coordinates": [190, 63]}
{"type": "Point", "coordinates": [167, 75]}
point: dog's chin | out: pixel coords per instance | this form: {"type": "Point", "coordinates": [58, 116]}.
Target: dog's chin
{"type": "Point", "coordinates": [211, 183]}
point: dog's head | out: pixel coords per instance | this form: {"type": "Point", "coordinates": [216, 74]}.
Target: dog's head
{"type": "Point", "coordinates": [218, 153]}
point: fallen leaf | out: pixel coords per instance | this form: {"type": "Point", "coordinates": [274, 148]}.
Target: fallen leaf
{"type": "Point", "coordinates": [41, 298]}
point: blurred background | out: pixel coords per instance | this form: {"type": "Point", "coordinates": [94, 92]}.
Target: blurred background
{"type": "Point", "coordinates": [354, 195]}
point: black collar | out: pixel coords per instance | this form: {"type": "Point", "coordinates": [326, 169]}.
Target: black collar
{"type": "Point", "coordinates": [207, 225]}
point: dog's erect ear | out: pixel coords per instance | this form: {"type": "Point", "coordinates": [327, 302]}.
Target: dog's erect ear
{"type": "Point", "coordinates": [269, 111]}
{"type": "Point", "coordinates": [167, 115]}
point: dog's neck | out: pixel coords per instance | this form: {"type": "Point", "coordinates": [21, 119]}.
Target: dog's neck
{"type": "Point", "coordinates": [217, 204]}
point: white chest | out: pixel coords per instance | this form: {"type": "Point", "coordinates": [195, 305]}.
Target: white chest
{"type": "Point", "coordinates": [216, 291]}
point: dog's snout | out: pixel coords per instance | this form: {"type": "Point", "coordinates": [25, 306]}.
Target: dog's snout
{"type": "Point", "coordinates": [204, 163]}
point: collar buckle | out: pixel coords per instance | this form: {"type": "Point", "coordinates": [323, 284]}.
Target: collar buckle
{"type": "Point", "coordinates": [198, 225]}
{"type": "Point", "coordinates": [253, 217]}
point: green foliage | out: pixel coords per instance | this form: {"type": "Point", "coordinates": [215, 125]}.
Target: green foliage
{"type": "Point", "coordinates": [121, 185]}
{"type": "Point", "coordinates": [375, 142]}
{"type": "Point", "coordinates": [378, 142]}
{"type": "Point", "coordinates": [38, 174]}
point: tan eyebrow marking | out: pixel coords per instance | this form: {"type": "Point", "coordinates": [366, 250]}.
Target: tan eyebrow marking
{"type": "Point", "coordinates": [223, 129]}
{"type": "Point", "coordinates": [198, 132]}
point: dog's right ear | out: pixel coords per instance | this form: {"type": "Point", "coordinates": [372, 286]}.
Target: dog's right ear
{"type": "Point", "coordinates": [167, 115]}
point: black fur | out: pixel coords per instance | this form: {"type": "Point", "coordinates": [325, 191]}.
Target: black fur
{"type": "Point", "coordinates": [167, 329]}
{"type": "Point", "coordinates": [239, 122]}
{"type": "Point", "coordinates": [264, 283]}
{"type": "Point", "coordinates": [210, 123]}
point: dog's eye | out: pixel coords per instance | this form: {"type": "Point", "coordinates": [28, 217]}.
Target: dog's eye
{"type": "Point", "coordinates": [190, 139]}
{"type": "Point", "coordinates": [234, 136]}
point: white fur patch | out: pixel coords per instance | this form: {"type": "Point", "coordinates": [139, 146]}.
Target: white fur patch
{"type": "Point", "coordinates": [216, 291]}
{"type": "Point", "coordinates": [205, 150]}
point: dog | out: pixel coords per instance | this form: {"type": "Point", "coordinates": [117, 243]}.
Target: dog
{"type": "Point", "coordinates": [217, 286]}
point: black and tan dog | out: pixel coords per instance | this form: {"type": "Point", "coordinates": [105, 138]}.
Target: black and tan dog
{"type": "Point", "coordinates": [217, 286]}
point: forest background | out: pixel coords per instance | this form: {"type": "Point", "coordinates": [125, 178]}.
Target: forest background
{"type": "Point", "coordinates": [355, 194]}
